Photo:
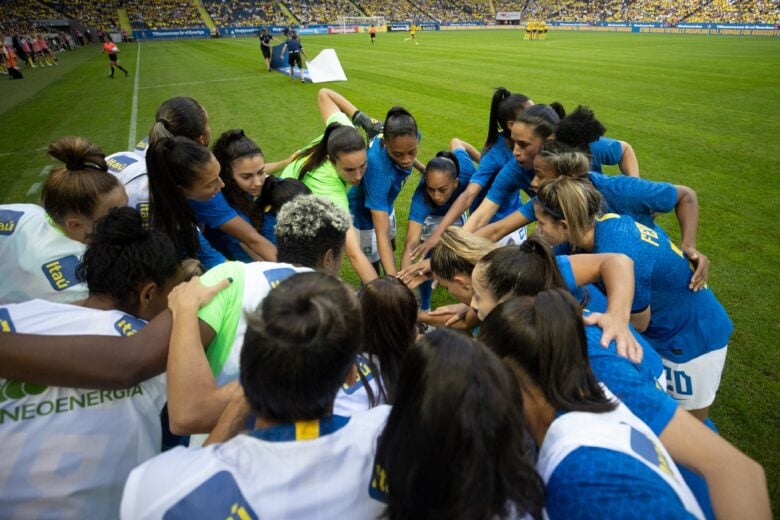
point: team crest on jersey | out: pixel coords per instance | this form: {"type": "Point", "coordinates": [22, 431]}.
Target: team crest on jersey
{"type": "Point", "coordinates": [119, 162]}
{"type": "Point", "coordinates": [61, 273]}
{"type": "Point", "coordinates": [218, 497]}
{"type": "Point", "coordinates": [362, 365]}
{"type": "Point", "coordinates": [128, 325]}
{"type": "Point", "coordinates": [650, 451]}
{"type": "Point", "coordinates": [8, 220]}
{"type": "Point", "coordinates": [276, 276]}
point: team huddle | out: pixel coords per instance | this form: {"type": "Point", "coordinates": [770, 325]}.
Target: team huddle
{"type": "Point", "coordinates": [177, 341]}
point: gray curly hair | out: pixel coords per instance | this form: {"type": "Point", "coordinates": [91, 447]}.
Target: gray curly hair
{"type": "Point", "coordinates": [307, 227]}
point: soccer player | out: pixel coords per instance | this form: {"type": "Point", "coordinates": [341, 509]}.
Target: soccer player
{"type": "Point", "coordinates": [690, 329]}
{"type": "Point", "coordinates": [391, 157]}
{"type": "Point", "coordinates": [69, 451]}
{"type": "Point", "coordinates": [40, 248]}
{"type": "Point", "coordinates": [372, 33]}
{"type": "Point", "coordinates": [299, 459]}
{"type": "Point", "coordinates": [497, 151]}
{"type": "Point", "coordinates": [589, 439]}
{"type": "Point", "coordinates": [444, 179]}
{"type": "Point", "coordinates": [454, 445]}
{"type": "Point", "coordinates": [293, 45]}
{"type": "Point", "coordinates": [333, 162]}
{"type": "Point", "coordinates": [112, 50]}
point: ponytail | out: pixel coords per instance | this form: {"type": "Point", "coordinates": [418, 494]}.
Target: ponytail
{"type": "Point", "coordinates": [172, 163]}
{"type": "Point", "coordinates": [77, 188]}
{"type": "Point", "coordinates": [523, 270]}
{"type": "Point", "coordinates": [338, 139]}
{"type": "Point", "coordinates": [543, 340]}
{"type": "Point", "coordinates": [179, 116]}
{"type": "Point", "coordinates": [504, 106]}
{"type": "Point", "coordinates": [574, 200]}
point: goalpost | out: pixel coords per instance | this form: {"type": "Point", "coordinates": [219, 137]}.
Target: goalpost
{"type": "Point", "coordinates": [351, 23]}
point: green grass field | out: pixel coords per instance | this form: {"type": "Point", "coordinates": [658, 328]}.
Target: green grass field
{"type": "Point", "coordinates": [700, 111]}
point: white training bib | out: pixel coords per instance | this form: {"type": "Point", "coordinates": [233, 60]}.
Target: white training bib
{"type": "Point", "coordinates": [37, 260]}
{"type": "Point", "coordinates": [67, 452]}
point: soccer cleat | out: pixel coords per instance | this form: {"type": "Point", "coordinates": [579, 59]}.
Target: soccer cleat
{"type": "Point", "coordinates": [369, 124]}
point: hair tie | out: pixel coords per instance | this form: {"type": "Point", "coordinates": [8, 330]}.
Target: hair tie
{"type": "Point", "coordinates": [165, 123]}
{"type": "Point", "coordinates": [74, 167]}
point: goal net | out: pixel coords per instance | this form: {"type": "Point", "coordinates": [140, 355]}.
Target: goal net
{"type": "Point", "coordinates": [352, 24]}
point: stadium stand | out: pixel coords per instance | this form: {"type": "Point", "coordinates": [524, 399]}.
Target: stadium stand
{"type": "Point", "coordinates": [243, 13]}
{"type": "Point", "coordinates": [163, 14]}
{"type": "Point", "coordinates": [314, 11]}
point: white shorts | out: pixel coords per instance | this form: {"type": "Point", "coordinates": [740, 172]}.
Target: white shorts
{"type": "Point", "coordinates": [431, 223]}
{"type": "Point", "coordinates": [515, 238]}
{"type": "Point", "coordinates": [368, 240]}
{"type": "Point", "coordinates": [694, 383]}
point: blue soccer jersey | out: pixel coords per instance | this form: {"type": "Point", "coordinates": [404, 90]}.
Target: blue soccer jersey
{"type": "Point", "coordinates": [605, 151]}
{"type": "Point", "coordinates": [592, 299]}
{"type": "Point", "coordinates": [212, 214]}
{"type": "Point", "coordinates": [490, 164]}
{"type": "Point", "coordinates": [684, 324]}
{"type": "Point", "coordinates": [421, 207]}
{"type": "Point", "coordinates": [632, 196]}
{"type": "Point", "coordinates": [635, 197]}
{"type": "Point", "coordinates": [379, 188]}
{"type": "Point", "coordinates": [505, 190]}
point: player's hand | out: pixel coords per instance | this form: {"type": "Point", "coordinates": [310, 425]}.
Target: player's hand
{"type": "Point", "coordinates": [416, 274]}
{"type": "Point", "coordinates": [191, 296]}
{"type": "Point", "coordinates": [617, 330]}
{"type": "Point", "coordinates": [423, 249]}
{"type": "Point", "coordinates": [455, 311]}
{"type": "Point", "coordinates": [701, 266]}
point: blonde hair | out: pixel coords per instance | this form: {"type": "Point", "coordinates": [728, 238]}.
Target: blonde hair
{"type": "Point", "coordinates": [564, 160]}
{"type": "Point", "coordinates": [574, 200]}
{"type": "Point", "coordinates": [458, 252]}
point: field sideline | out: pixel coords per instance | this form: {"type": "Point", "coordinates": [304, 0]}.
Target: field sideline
{"type": "Point", "coordinates": [700, 111]}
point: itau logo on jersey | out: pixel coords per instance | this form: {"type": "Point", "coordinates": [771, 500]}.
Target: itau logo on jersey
{"type": "Point", "coordinates": [119, 162]}
{"type": "Point", "coordinates": [8, 221]}
{"type": "Point", "coordinates": [61, 273]}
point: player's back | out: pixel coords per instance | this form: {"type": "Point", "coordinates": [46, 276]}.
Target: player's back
{"type": "Point", "coordinates": [37, 260]}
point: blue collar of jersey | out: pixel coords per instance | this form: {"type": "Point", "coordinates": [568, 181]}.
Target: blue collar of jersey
{"type": "Point", "coordinates": [301, 430]}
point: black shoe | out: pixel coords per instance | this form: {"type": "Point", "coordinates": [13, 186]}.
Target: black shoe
{"type": "Point", "coordinates": [369, 124]}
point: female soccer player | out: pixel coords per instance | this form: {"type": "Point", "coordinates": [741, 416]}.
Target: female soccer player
{"type": "Point", "coordinates": [390, 160]}
{"type": "Point", "coordinates": [454, 445]}
{"type": "Point", "coordinates": [112, 50]}
{"type": "Point", "coordinates": [185, 182]}
{"type": "Point", "coordinates": [40, 248]}
{"type": "Point", "coordinates": [638, 198]}
{"type": "Point", "coordinates": [335, 161]}
{"type": "Point", "coordinates": [445, 177]}
{"type": "Point", "coordinates": [389, 329]}
{"type": "Point", "coordinates": [689, 329]}
{"type": "Point", "coordinates": [505, 107]}
{"type": "Point", "coordinates": [70, 450]}
{"type": "Point", "coordinates": [299, 460]}
{"type": "Point", "coordinates": [574, 419]}
{"type": "Point", "coordinates": [231, 217]}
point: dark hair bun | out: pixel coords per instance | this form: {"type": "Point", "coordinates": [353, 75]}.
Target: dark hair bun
{"type": "Point", "coordinates": [120, 226]}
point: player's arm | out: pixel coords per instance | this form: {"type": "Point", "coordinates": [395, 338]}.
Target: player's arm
{"type": "Point", "coordinates": [737, 484]}
{"type": "Point", "coordinates": [195, 402]}
{"type": "Point", "coordinates": [275, 166]}
{"type": "Point", "coordinates": [616, 271]}
{"type": "Point", "coordinates": [102, 362]}
{"type": "Point", "coordinates": [247, 235]}
{"type": "Point", "coordinates": [687, 211]}
{"type": "Point", "coordinates": [482, 216]}
{"type": "Point", "coordinates": [628, 164]}
{"type": "Point", "coordinates": [360, 263]}
{"type": "Point", "coordinates": [456, 143]}
{"type": "Point", "coordinates": [381, 222]}
{"type": "Point", "coordinates": [495, 231]}
{"type": "Point", "coordinates": [457, 209]}
{"type": "Point", "coordinates": [413, 234]}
